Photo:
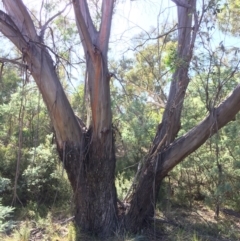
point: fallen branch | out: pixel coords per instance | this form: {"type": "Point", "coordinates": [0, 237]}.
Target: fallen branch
{"type": "Point", "coordinates": [67, 220]}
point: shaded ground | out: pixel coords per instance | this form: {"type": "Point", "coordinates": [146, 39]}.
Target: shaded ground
{"type": "Point", "coordinates": [176, 224]}
{"type": "Point", "coordinates": [198, 223]}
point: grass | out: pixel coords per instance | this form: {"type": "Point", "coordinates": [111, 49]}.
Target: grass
{"type": "Point", "coordinates": [176, 224]}
{"type": "Point", "coordinates": [198, 223]}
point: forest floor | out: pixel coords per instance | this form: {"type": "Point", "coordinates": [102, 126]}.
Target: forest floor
{"type": "Point", "coordinates": [198, 223]}
{"type": "Point", "coordinates": [176, 224]}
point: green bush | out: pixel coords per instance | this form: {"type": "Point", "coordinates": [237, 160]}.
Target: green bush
{"type": "Point", "coordinates": [43, 177]}
{"type": "Point", "coordinates": [6, 223]}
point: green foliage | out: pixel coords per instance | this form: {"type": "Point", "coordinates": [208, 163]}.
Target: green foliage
{"type": "Point", "coordinates": [8, 84]}
{"type": "Point", "coordinates": [135, 104]}
{"type": "Point", "coordinates": [8, 159]}
{"type": "Point", "coordinates": [41, 177]}
{"type": "Point", "coordinates": [138, 125]}
{"type": "Point", "coordinates": [122, 185]}
{"type": "Point", "coordinates": [170, 59]}
{"type": "Point", "coordinates": [211, 173]}
{"type": "Point", "coordinates": [6, 224]}
{"type": "Point", "coordinates": [228, 16]}
{"type": "Point", "coordinates": [4, 184]}
{"type": "Point", "coordinates": [36, 122]}
{"type": "Point", "coordinates": [5, 214]}
{"type": "Point", "coordinates": [44, 179]}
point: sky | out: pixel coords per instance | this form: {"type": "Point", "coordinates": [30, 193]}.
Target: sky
{"type": "Point", "coordinates": [132, 17]}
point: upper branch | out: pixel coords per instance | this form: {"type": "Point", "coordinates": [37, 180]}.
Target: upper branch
{"type": "Point", "coordinates": [171, 121]}
{"type": "Point", "coordinates": [88, 32]}
{"type": "Point", "coordinates": [13, 61]}
{"type": "Point", "coordinates": [44, 27]}
{"type": "Point", "coordinates": [185, 17]}
{"type": "Point", "coordinates": [11, 31]}
{"type": "Point", "coordinates": [105, 28]}
{"type": "Point", "coordinates": [20, 16]}
{"type": "Point", "coordinates": [193, 139]}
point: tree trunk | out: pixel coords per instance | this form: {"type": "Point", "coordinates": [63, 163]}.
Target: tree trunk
{"type": "Point", "coordinates": [91, 169]}
{"type": "Point", "coordinates": [150, 178]}
{"type": "Point", "coordinates": [88, 155]}
{"type": "Point", "coordinates": [94, 183]}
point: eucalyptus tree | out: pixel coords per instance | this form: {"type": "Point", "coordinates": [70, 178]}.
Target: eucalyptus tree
{"type": "Point", "coordinates": [87, 150]}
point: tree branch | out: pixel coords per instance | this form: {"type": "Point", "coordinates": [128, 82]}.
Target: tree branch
{"type": "Point", "coordinates": [171, 120]}
{"type": "Point", "coordinates": [87, 17]}
{"type": "Point", "coordinates": [44, 27]}
{"type": "Point", "coordinates": [11, 31]}
{"type": "Point", "coordinates": [13, 61]}
{"type": "Point", "coordinates": [189, 142]}
{"type": "Point", "coordinates": [154, 38]}
{"type": "Point", "coordinates": [20, 16]}
{"type": "Point", "coordinates": [88, 32]}
{"type": "Point", "coordinates": [105, 28]}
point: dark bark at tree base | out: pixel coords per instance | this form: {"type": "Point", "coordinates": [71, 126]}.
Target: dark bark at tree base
{"type": "Point", "coordinates": [95, 198]}
{"type": "Point", "coordinates": [93, 181]}
{"type": "Point", "coordinates": [144, 196]}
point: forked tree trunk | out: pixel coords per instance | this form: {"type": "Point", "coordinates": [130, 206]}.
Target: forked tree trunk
{"type": "Point", "coordinates": [94, 183]}
{"type": "Point", "coordinates": [91, 169]}
{"type": "Point", "coordinates": [88, 155]}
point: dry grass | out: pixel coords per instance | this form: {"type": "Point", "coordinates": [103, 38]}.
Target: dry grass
{"type": "Point", "coordinates": [177, 224]}
{"type": "Point", "coordinates": [197, 224]}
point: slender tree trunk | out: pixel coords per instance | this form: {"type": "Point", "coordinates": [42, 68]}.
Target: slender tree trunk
{"type": "Point", "coordinates": [151, 175]}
